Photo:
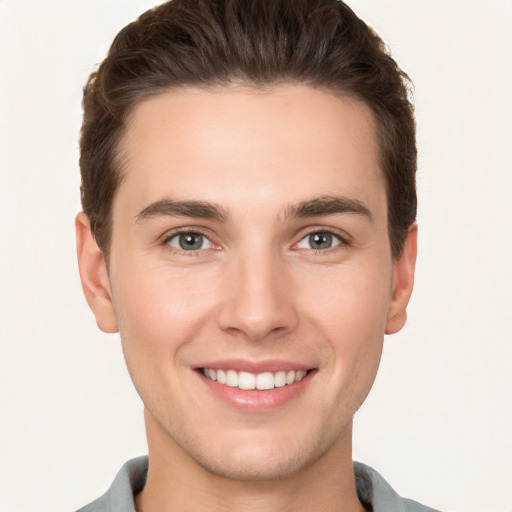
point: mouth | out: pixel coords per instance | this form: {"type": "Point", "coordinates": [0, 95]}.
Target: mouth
{"type": "Point", "coordinates": [260, 381]}
{"type": "Point", "coordinates": [256, 387]}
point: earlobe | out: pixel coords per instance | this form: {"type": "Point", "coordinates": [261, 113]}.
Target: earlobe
{"type": "Point", "coordinates": [403, 282]}
{"type": "Point", "coordinates": [94, 275]}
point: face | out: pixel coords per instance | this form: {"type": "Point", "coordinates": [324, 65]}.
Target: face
{"type": "Point", "coordinates": [250, 275]}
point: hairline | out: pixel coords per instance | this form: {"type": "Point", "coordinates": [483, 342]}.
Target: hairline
{"type": "Point", "coordinates": [119, 160]}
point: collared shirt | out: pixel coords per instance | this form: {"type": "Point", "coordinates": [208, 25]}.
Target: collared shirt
{"type": "Point", "coordinates": [373, 491]}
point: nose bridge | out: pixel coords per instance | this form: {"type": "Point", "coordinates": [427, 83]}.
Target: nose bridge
{"type": "Point", "coordinates": [260, 295]}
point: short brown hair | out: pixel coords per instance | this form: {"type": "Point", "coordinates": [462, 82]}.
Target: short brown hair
{"type": "Point", "coordinates": [208, 43]}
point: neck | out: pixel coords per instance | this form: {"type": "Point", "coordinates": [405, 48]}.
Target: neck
{"type": "Point", "coordinates": [177, 483]}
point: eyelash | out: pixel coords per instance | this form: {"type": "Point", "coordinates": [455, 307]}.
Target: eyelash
{"type": "Point", "coordinates": [343, 240]}
{"type": "Point", "coordinates": [185, 231]}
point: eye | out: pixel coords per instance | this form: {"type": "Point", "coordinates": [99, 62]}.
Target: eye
{"type": "Point", "coordinates": [319, 240]}
{"type": "Point", "coordinates": [189, 241]}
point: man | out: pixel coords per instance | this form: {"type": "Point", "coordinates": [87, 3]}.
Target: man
{"type": "Point", "coordinates": [248, 186]}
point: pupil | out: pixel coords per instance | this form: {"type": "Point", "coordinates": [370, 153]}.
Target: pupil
{"type": "Point", "coordinates": [320, 240]}
{"type": "Point", "coordinates": [191, 241]}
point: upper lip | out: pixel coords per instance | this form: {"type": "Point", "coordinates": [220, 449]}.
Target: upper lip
{"type": "Point", "coordinates": [245, 365]}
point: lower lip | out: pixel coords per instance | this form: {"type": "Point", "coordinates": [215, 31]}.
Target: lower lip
{"type": "Point", "coordinates": [255, 400]}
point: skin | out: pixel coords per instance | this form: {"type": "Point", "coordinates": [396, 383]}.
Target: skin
{"type": "Point", "coordinates": [256, 290]}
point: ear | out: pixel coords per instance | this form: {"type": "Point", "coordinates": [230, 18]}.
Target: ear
{"type": "Point", "coordinates": [403, 282]}
{"type": "Point", "coordinates": [94, 276]}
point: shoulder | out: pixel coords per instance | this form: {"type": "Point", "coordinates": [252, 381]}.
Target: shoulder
{"type": "Point", "coordinates": [375, 493]}
{"type": "Point", "coordinates": [128, 482]}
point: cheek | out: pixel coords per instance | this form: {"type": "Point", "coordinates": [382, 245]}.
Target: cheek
{"type": "Point", "coordinates": [160, 310]}
{"type": "Point", "coordinates": [351, 314]}
{"type": "Point", "coordinates": [353, 299]}
{"type": "Point", "coordinates": [159, 316]}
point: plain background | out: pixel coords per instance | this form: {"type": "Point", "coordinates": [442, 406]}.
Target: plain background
{"type": "Point", "coordinates": [438, 423]}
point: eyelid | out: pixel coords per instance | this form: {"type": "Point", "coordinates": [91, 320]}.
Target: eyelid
{"type": "Point", "coordinates": [169, 235]}
{"type": "Point", "coordinates": [344, 238]}
{"type": "Point", "coordinates": [336, 242]}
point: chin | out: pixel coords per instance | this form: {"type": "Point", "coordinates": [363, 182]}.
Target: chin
{"type": "Point", "coordinates": [260, 456]}
{"type": "Point", "coordinates": [258, 465]}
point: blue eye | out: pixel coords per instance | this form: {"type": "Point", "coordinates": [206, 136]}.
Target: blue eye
{"type": "Point", "coordinates": [189, 242]}
{"type": "Point", "coordinates": [319, 241]}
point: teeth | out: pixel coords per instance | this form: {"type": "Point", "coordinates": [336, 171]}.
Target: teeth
{"type": "Point", "coordinates": [260, 381]}
{"type": "Point", "coordinates": [232, 378]}
{"type": "Point", "coordinates": [246, 380]}
{"type": "Point", "coordinates": [265, 380]}
{"type": "Point", "coordinates": [280, 379]}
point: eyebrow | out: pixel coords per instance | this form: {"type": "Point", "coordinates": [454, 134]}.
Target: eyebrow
{"type": "Point", "coordinates": [327, 205]}
{"type": "Point", "coordinates": [173, 208]}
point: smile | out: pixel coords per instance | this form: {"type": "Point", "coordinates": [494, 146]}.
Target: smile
{"type": "Point", "coordinates": [260, 381]}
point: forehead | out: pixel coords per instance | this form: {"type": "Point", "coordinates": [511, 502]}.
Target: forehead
{"type": "Point", "coordinates": [287, 140]}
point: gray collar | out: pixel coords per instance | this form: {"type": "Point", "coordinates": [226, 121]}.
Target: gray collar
{"type": "Point", "coordinates": [373, 491]}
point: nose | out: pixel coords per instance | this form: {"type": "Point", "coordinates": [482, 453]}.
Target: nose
{"type": "Point", "coordinates": [259, 298]}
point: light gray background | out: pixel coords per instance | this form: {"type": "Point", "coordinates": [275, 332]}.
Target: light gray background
{"type": "Point", "coordinates": [438, 423]}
